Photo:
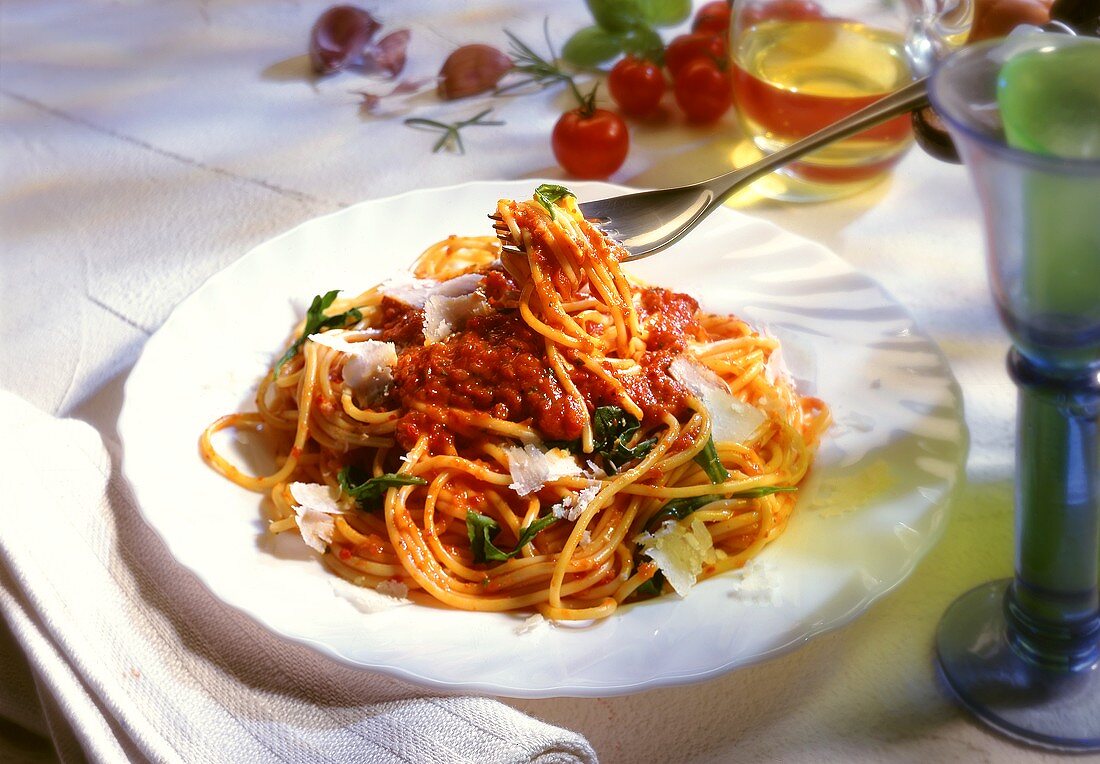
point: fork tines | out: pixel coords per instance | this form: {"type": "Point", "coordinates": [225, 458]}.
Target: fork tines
{"type": "Point", "coordinates": [504, 233]}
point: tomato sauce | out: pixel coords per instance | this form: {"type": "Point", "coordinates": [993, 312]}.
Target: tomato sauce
{"type": "Point", "coordinates": [495, 366]}
{"type": "Point", "coordinates": [401, 324]}
{"type": "Point", "coordinates": [671, 318]}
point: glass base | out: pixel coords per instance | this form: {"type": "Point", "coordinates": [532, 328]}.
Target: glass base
{"type": "Point", "coordinates": [1056, 710]}
{"type": "Point", "coordinates": [787, 185]}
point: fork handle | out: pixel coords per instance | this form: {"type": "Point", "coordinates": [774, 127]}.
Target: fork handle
{"type": "Point", "coordinates": [906, 99]}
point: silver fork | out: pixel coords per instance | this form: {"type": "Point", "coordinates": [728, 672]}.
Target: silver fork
{"type": "Point", "coordinates": [649, 221]}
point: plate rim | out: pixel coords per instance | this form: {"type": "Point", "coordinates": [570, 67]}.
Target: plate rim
{"type": "Point", "coordinates": [928, 540]}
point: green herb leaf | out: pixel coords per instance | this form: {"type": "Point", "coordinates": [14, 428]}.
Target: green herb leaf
{"type": "Point", "coordinates": [678, 509]}
{"type": "Point", "coordinates": [592, 46]}
{"type": "Point", "coordinates": [451, 137]}
{"type": "Point", "coordinates": [651, 588]}
{"type": "Point", "coordinates": [664, 13]}
{"type": "Point", "coordinates": [708, 460]}
{"type": "Point", "coordinates": [548, 194]}
{"type": "Point", "coordinates": [616, 15]}
{"type": "Point", "coordinates": [528, 532]}
{"type": "Point", "coordinates": [767, 490]}
{"type": "Point", "coordinates": [481, 531]}
{"type": "Point", "coordinates": [573, 446]}
{"type": "Point", "coordinates": [612, 429]}
{"type": "Point", "coordinates": [317, 321]}
{"type": "Point", "coordinates": [539, 70]}
{"type": "Point", "coordinates": [642, 41]}
{"type": "Point", "coordinates": [368, 491]}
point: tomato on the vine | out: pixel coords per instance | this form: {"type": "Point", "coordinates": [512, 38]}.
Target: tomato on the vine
{"type": "Point", "coordinates": [713, 19]}
{"type": "Point", "coordinates": [590, 143]}
{"type": "Point", "coordinates": [637, 86]}
{"type": "Point", "coordinates": [688, 47]}
{"type": "Point", "coordinates": [703, 90]}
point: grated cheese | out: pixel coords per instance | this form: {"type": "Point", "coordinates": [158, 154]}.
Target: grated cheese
{"type": "Point", "coordinates": [315, 526]}
{"type": "Point", "coordinates": [531, 467]}
{"type": "Point", "coordinates": [369, 370]}
{"type": "Point", "coordinates": [532, 625]}
{"type": "Point", "coordinates": [393, 588]}
{"type": "Point", "coordinates": [408, 289]}
{"type": "Point", "coordinates": [756, 583]}
{"type": "Point", "coordinates": [415, 292]}
{"type": "Point", "coordinates": [316, 505]}
{"type": "Point", "coordinates": [365, 599]}
{"type": "Point", "coordinates": [574, 505]}
{"type": "Point", "coordinates": [731, 420]}
{"type": "Point", "coordinates": [317, 497]}
{"type": "Point", "coordinates": [680, 552]}
{"type": "Point", "coordinates": [444, 315]}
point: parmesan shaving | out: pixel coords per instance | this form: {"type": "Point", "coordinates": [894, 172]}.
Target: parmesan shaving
{"type": "Point", "coordinates": [532, 625]}
{"type": "Point", "coordinates": [317, 497]}
{"type": "Point", "coordinates": [365, 599]}
{"type": "Point", "coordinates": [416, 292]}
{"type": "Point", "coordinates": [408, 289]}
{"type": "Point", "coordinates": [531, 467]}
{"type": "Point", "coordinates": [574, 505]}
{"type": "Point", "coordinates": [444, 315]}
{"type": "Point", "coordinates": [316, 506]}
{"type": "Point", "coordinates": [316, 527]}
{"type": "Point", "coordinates": [680, 552]}
{"type": "Point", "coordinates": [393, 588]}
{"type": "Point", "coordinates": [369, 370]}
{"type": "Point", "coordinates": [756, 583]}
{"type": "Point", "coordinates": [731, 420]}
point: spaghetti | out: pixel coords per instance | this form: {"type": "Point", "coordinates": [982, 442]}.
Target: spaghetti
{"type": "Point", "coordinates": [528, 431]}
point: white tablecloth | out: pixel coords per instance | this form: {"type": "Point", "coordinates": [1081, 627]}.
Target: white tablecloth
{"type": "Point", "coordinates": [147, 145]}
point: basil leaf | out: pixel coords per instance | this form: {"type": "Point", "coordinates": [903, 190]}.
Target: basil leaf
{"type": "Point", "coordinates": [767, 490]}
{"type": "Point", "coordinates": [591, 46]}
{"type": "Point", "coordinates": [708, 460]}
{"type": "Point", "coordinates": [317, 321]}
{"type": "Point", "coordinates": [612, 429]}
{"type": "Point", "coordinates": [643, 42]}
{"type": "Point", "coordinates": [548, 194]}
{"type": "Point", "coordinates": [651, 588]}
{"type": "Point", "coordinates": [572, 446]}
{"type": "Point", "coordinates": [528, 532]}
{"type": "Point", "coordinates": [678, 509]}
{"type": "Point", "coordinates": [616, 15]}
{"type": "Point", "coordinates": [664, 13]}
{"type": "Point", "coordinates": [481, 531]}
{"type": "Point", "coordinates": [368, 491]}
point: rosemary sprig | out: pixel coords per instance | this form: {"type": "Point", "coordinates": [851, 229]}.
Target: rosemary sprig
{"type": "Point", "coordinates": [539, 70]}
{"type": "Point", "coordinates": [451, 138]}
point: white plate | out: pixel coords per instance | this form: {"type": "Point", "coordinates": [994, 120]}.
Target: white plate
{"type": "Point", "coordinates": [874, 505]}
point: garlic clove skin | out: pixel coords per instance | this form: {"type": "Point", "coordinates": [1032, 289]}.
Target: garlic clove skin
{"type": "Point", "coordinates": [470, 70]}
{"type": "Point", "coordinates": [339, 36]}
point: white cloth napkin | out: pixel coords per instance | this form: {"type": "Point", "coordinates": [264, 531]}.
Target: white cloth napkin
{"type": "Point", "coordinates": [136, 660]}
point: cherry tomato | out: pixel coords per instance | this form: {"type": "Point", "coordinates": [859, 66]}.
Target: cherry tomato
{"type": "Point", "coordinates": [637, 86]}
{"type": "Point", "coordinates": [703, 91]}
{"type": "Point", "coordinates": [780, 10]}
{"type": "Point", "coordinates": [688, 47]}
{"type": "Point", "coordinates": [713, 19]}
{"type": "Point", "coordinates": [591, 145]}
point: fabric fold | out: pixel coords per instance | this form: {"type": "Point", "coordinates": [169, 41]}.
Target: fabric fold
{"type": "Point", "coordinates": [145, 663]}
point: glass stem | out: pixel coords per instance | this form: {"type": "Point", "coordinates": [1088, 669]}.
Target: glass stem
{"type": "Point", "coordinates": [1052, 607]}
